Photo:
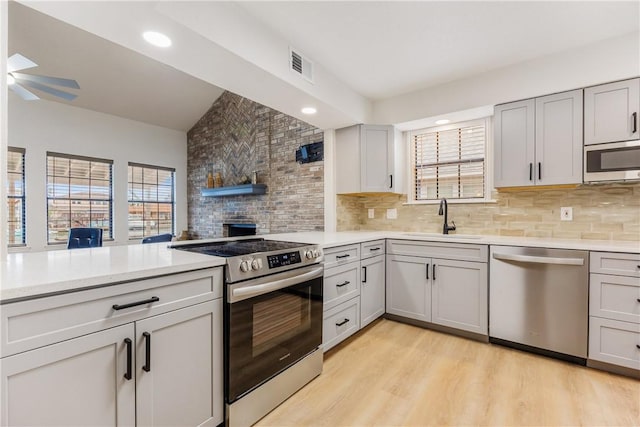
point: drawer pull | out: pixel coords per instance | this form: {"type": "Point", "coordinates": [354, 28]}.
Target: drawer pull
{"type": "Point", "coordinates": [375, 249]}
{"type": "Point", "coordinates": [127, 341]}
{"type": "Point", "coordinates": [345, 283]}
{"type": "Point", "coordinates": [638, 300]}
{"type": "Point", "coordinates": [344, 322]}
{"type": "Point", "coordinates": [147, 356]}
{"type": "Point", "coordinates": [133, 304]}
{"type": "Point", "coordinates": [342, 256]}
{"type": "Point", "coordinates": [638, 346]}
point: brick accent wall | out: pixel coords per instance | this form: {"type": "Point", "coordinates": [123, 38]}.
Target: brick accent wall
{"type": "Point", "coordinates": [237, 136]}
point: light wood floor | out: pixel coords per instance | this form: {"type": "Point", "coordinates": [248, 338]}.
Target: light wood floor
{"type": "Point", "coordinates": [392, 374]}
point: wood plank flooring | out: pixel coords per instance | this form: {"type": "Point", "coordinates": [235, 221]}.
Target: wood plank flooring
{"type": "Point", "coordinates": [392, 374]}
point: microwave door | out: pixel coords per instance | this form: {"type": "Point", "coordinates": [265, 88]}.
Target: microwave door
{"type": "Point", "coordinates": [612, 162]}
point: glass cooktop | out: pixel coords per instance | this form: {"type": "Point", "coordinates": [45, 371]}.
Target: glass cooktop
{"type": "Point", "coordinates": [233, 248]}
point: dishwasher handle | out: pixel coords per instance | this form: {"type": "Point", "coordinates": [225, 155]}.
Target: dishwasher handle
{"type": "Point", "coordinates": [538, 259]}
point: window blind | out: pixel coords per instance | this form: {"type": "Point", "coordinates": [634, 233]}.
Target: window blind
{"type": "Point", "coordinates": [450, 162]}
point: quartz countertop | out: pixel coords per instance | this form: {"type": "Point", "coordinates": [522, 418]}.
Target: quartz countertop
{"type": "Point", "coordinates": [35, 274]}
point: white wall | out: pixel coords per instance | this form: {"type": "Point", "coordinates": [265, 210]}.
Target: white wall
{"type": "Point", "coordinates": [3, 129]}
{"type": "Point", "coordinates": [41, 126]}
{"type": "Point", "coordinates": [602, 62]}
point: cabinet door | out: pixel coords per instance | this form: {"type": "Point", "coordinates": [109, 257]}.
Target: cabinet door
{"type": "Point", "coordinates": [611, 112]}
{"type": "Point", "coordinates": [408, 287]}
{"type": "Point", "coordinates": [179, 367]}
{"type": "Point", "coordinates": [372, 290]}
{"type": "Point", "coordinates": [78, 382]}
{"type": "Point", "coordinates": [514, 144]}
{"type": "Point", "coordinates": [459, 297]}
{"type": "Point", "coordinates": [376, 167]}
{"type": "Point", "coordinates": [559, 139]}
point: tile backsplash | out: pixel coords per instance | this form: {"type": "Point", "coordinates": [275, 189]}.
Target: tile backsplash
{"type": "Point", "coordinates": [600, 212]}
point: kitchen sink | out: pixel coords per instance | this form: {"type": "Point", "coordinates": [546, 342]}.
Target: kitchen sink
{"type": "Point", "coordinates": [446, 236]}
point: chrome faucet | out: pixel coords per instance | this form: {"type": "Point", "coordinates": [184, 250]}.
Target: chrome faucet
{"type": "Point", "coordinates": [445, 227]}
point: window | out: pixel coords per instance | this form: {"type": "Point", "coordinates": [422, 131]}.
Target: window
{"type": "Point", "coordinates": [151, 200]}
{"type": "Point", "coordinates": [15, 197]}
{"type": "Point", "coordinates": [449, 161]}
{"type": "Point", "coordinates": [79, 194]}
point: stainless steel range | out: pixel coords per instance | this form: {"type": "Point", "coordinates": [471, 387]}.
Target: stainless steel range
{"type": "Point", "coordinates": [273, 322]}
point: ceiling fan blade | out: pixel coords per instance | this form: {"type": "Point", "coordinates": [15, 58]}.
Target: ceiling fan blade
{"type": "Point", "coordinates": [19, 62]}
{"type": "Point", "coordinates": [57, 81]}
{"type": "Point", "coordinates": [59, 93]}
{"type": "Point", "coordinates": [23, 93]}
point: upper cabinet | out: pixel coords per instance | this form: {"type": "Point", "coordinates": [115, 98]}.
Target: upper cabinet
{"type": "Point", "coordinates": [369, 159]}
{"type": "Point", "coordinates": [611, 112]}
{"type": "Point", "coordinates": [539, 141]}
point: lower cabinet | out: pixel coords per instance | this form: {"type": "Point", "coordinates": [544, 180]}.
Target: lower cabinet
{"type": "Point", "coordinates": [340, 322]}
{"type": "Point", "coordinates": [372, 290]}
{"type": "Point", "coordinates": [614, 342]}
{"type": "Point", "coordinates": [408, 287]}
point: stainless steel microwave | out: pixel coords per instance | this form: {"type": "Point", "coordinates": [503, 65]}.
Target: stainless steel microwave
{"type": "Point", "coordinates": [614, 161]}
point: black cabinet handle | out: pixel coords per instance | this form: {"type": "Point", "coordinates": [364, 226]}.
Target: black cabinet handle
{"type": "Point", "coordinates": [345, 283]}
{"type": "Point", "coordinates": [539, 170]}
{"type": "Point", "coordinates": [147, 356]}
{"type": "Point", "coordinates": [364, 273]}
{"type": "Point", "coordinates": [427, 271]}
{"type": "Point", "coordinates": [530, 171]}
{"type": "Point", "coordinates": [133, 304]}
{"type": "Point", "coordinates": [433, 272]}
{"type": "Point", "coordinates": [345, 321]}
{"type": "Point", "coordinates": [391, 180]}
{"type": "Point", "coordinates": [638, 346]}
{"type": "Point", "coordinates": [127, 341]}
{"type": "Point", "coordinates": [374, 249]}
{"type": "Point", "coordinates": [635, 122]}
{"type": "Point", "coordinates": [342, 256]}
{"type": "Point", "coordinates": [638, 299]}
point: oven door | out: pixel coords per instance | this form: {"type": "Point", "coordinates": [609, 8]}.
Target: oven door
{"type": "Point", "coordinates": [272, 322]}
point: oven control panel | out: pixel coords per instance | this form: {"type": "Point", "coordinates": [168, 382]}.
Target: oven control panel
{"type": "Point", "coordinates": [281, 260]}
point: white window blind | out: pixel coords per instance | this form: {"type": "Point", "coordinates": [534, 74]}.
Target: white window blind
{"type": "Point", "coordinates": [449, 162]}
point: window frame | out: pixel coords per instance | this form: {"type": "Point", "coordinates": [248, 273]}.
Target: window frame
{"type": "Point", "coordinates": [488, 162]}
{"type": "Point", "coordinates": [108, 236]}
{"type": "Point", "coordinates": [22, 198]}
{"type": "Point", "coordinates": [172, 203]}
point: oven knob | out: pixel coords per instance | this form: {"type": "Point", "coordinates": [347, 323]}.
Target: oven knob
{"type": "Point", "coordinates": [256, 264]}
{"type": "Point", "coordinates": [316, 253]}
{"type": "Point", "coordinates": [308, 254]}
{"type": "Point", "coordinates": [245, 266]}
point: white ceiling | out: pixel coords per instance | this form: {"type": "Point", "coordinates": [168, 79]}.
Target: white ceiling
{"type": "Point", "coordinates": [112, 78]}
{"type": "Point", "coordinates": [387, 48]}
{"type": "Point", "coordinates": [379, 50]}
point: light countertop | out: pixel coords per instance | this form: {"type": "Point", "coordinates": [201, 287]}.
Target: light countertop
{"type": "Point", "coordinates": [35, 274]}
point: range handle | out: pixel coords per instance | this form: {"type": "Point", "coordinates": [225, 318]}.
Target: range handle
{"type": "Point", "coordinates": [252, 291]}
{"type": "Point", "coordinates": [538, 259]}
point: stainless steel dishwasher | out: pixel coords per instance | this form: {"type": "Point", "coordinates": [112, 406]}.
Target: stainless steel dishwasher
{"type": "Point", "coordinates": [539, 300]}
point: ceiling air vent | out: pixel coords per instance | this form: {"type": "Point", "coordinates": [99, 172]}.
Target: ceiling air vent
{"type": "Point", "coordinates": [301, 65]}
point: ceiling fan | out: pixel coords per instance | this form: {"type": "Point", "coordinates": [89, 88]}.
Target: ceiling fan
{"type": "Point", "coordinates": [17, 81]}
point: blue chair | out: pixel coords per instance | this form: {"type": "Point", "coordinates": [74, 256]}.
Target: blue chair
{"type": "Point", "coordinates": [166, 237]}
{"type": "Point", "coordinates": [84, 238]}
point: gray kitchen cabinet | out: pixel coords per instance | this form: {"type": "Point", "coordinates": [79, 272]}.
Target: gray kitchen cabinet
{"type": "Point", "coordinates": [614, 311]}
{"type": "Point", "coordinates": [372, 290]}
{"type": "Point", "coordinates": [440, 283]}
{"type": "Point", "coordinates": [408, 287]}
{"type": "Point", "coordinates": [147, 352]}
{"type": "Point", "coordinates": [611, 112]}
{"type": "Point", "coordinates": [369, 158]}
{"type": "Point", "coordinates": [539, 141]}
{"type": "Point", "coordinates": [77, 382]}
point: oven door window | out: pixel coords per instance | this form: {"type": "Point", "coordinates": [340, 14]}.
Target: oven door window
{"type": "Point", "coordinates": [269, 332]}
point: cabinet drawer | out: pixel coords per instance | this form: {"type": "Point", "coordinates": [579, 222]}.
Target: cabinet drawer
{"type": "Point", "coordinates": [445, 250]}
{"type": "Point", "coordinates": [35, 323]}
{"type": "Point", "coordinates": [613, 263]}
{"type": "Point", "coordinates": [369, 249]}
{"type": "Point", "coordinates": [615, 297]}
{"type": "Point", "coordinates": [614, 342]}
{"type": "Point", "coordinates": [341, 255]}
{"type": "Point", "coordinates": [340, 284]}
{"type": "Point", "coordinates": [340, 322]}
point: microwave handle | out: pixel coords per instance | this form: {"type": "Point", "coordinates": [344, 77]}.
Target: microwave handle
{"type": "Point", "coordinates": [635, 122]}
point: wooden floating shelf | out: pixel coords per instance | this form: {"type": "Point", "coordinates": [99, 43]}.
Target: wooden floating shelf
{"type": "Point", "coordinates": [234, 190]}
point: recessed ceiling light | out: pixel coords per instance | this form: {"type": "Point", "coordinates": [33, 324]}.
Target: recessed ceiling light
{"type": "Point", "coordinates": [442, 121]}
{"type": "Point", "coordinates": [10, 79]}
{"type": "Point", "coordinates": [309, 110]}
{"type": "Point", "coordinates": [156, 39]}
